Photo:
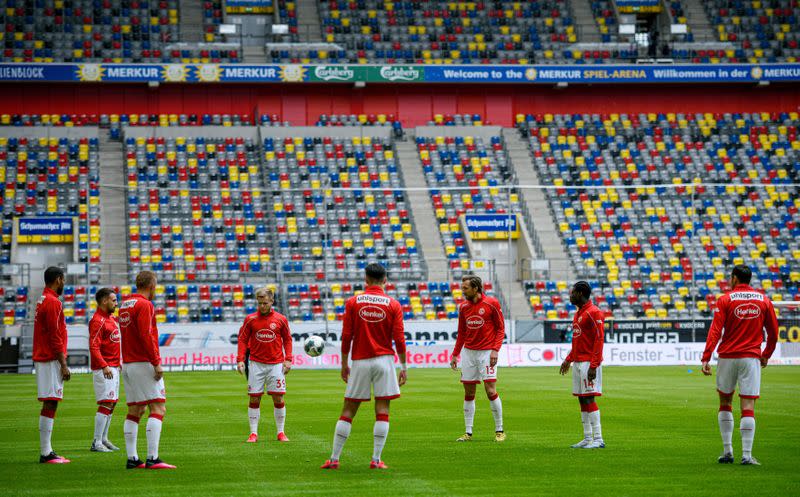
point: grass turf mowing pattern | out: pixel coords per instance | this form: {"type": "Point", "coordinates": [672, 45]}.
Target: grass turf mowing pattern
{"type": "Point", "coordinates": [659, 423]}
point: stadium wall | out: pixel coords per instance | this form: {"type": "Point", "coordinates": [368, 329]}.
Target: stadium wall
{"type": "Point", "coordinates": [413, 104]}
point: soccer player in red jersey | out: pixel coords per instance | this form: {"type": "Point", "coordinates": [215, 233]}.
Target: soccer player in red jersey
{"type": "Point", "coordinates": [141, 372]}
{"type": "Point", "coordinates": [743, 313]}
{"type": "Point", "coordinates": [587, 354]}
{"type": "Point", "coordinates": [265, 333]}
{"type": "Point", "coordinates": [481, 329]}
{"type": "Point", "coordinates": [371, 321]}
{"type": "Point", "coordinates": [104, 349]}
{"type": "Point", "coordinates": [50, 359]}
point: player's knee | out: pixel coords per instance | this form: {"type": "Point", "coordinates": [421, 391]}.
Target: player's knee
{"type": "Point", "coordinates": [158, 408]}
{"type": "Point", "coordinates": [277, 400]}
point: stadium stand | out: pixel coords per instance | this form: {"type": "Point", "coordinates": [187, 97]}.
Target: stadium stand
{"type": "Point", "coordinates": [648, 246]}
{"type": "Point", "coordinates": [13, 304]}
{"type": "Point", "coordinates": [470, 163]}
{"type": "Point", "coordinates": [52, 177]}
{"type": "Point", "coordinates": [324, 231]}
{"type": "Point", "coordinates": [457, 120]}
{"type": "Point", "coordinates": [765, 31]}
{"type": "Point", "coordinates": [196, 208]}
{"type": "Point", "coordinates": [442, 32]}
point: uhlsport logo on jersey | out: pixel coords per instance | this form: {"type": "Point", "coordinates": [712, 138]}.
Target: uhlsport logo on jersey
{"type": "Point", "coordinates": [475, 322]}
{"type": "Point", "coordinates": [114, 337]}
{"type": "Point", "coordinates": [372, 314]}
{"type": "Point", "coordinates": [265, 335]}
{"type": "Point", "coordinates": [747, 311]}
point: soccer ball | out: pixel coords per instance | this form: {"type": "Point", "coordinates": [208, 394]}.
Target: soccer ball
{"type": "Point", "coordinates": [314, 345]}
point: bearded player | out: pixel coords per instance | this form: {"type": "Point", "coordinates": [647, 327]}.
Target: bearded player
{"type": "Point", "coordinates": [371, 321]}
{"type": "Point", "coordinates": [104, 349]}
{"type": "Point", "coordinates": [265, 333]}
{"type": "Point", "coordinates": [481, 329]}
{"type": "Point", "coordinates": [50, 359]}
{"type": "Point", "coordinates": [587, 354]}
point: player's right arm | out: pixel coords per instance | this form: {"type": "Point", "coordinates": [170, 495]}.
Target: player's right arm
{"type": "Point", "coordinates": [771, 325]}
{"type": "Point", "coordinates": [399, 335]}
{"type": "Point", "coordinates": [714, 334]}
{"type": "Point", "coordinates": [347, 337]}
{"type": "Point", "coordinates": [95, 340]}
{"type": "Point", "coordinates": [460, 337]}
{"type": "Point", "coordinates": [241, 347]}
{"type": "Point", "coordinates": [144, 324]}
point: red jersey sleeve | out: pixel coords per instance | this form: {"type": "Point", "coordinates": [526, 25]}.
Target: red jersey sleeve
{"type": "Point", "coordinates": [460, 336]}
{"type": "Point", "coordinates": [53, 314]}
{"type": "Point", "coordinates": [715, 332]}
{"type": "Point", "coordinates": [144, 323]}
{"type": "Point", "coordinates": [771, 325]}
{"type": "Point", "coordinates": [244, 339]}
{"type": "Point", "coordinates": [597, 349]}
{"type": "Point", "coordinates": [398, 330]}
{"type": "Point", "coordinates": [499, 326]}
{"type": "Point", "coordinates": [286, 334]}
{"type": "Point", "coordinates": [347, 327]}
{"type": "Point", "coordinates": [95, 340]}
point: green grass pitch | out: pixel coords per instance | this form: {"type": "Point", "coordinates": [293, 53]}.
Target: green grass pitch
{"type": "Point", "coordinates": [659, 423]}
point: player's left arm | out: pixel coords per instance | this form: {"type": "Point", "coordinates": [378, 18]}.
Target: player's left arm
{"type": "Point", "coordinates": [597, 349]}
{"type": "Point", "coordinates": [286, 335]}
{"type": "Point", "coordinates": [771, 325]}
{"type": "Point", "coordinates": [714, 334]}
{"type": "Point", "coordinates": [499, 333]}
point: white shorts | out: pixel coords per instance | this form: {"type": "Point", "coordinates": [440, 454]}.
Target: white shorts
{"type": "Point", "coordinates": [141, 388]}
{"type": "Point", "coordinates": [475, 367]}
{"type": "Point", "coordinates": [269, 376]}
{"type": "Point", "coordinates": [105, 390]}
{"type": "Point", "coordinates": [377, 372]}
{"type": "Point", "coordinates": [581, 386]}
{"type": "Point", "coordinates": [49, 384]}
{"type": "Point", "coordinates": [745, 370]}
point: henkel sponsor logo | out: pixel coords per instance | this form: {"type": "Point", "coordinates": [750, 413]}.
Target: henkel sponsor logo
{"type": "Point", "coordinates": [265, 335]}
{"type": "Point", "coordinates": [124, 319]}
{"type": "Point", "coordinates": [576, 331]}
{"type": "Point", "coordinates": [475, 322]}
{"type": "Point", "coordinates": [372, 314]}
{"type": "Point", "coordinates": [747, 311]}
{"type": "Point", "coordinates": [114, 337]}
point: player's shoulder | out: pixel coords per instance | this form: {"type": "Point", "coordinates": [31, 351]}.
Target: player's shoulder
{"type": "Point", "coordinates": [280, 317]}
{"type": "Point", "coordinates": [250, 317]}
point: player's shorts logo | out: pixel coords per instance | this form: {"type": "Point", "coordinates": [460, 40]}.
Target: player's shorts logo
{"type": "Point", "coordinates": [747, 311]}
{"type": "Point", "coordinates": [114, 336]}
{"type": "Point", "coordinates": [265, 335]}
{"type": "Point", "coordinates": [372, 314]}
{"type": "Point", "coordinates": [475, 322]}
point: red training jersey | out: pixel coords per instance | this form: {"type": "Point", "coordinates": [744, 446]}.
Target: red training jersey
{"type": "Point", "coordinates": [587, 335]}
{"type": "Point", "coordinates": [267, 336]}
{"type": "Point", "coordinates": [480, 325]}
{"type": "Point", "coordinates": [371, 320]}
{"type": "Point", "coordinates": [137, 322]}
{"type": "Point", "coordinates": [743, 313]}
{"type": "Point", "coordinates": [49, 328]}
{"type": "Point", "coordinates": [104, 340]}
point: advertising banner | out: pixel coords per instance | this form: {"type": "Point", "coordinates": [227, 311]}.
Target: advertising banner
{"type": "Point", "coordinates": [296, 73]}
{"type": "Point", "coordinates": [45, 230]}
{"type": "Point", "coordinates": [491, 226]}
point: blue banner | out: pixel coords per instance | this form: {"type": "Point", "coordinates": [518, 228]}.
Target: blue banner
{"type": "Point", "coordinates": [491, 226]}
{"type": "Point", "coordinates": [44, 230]}
{"type": "Point", "coordinates": [292, 73]}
